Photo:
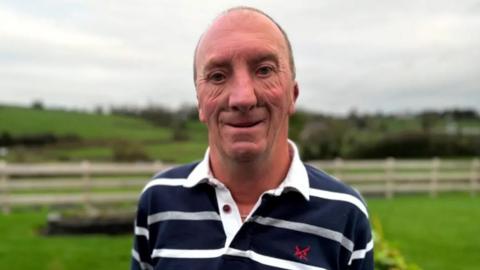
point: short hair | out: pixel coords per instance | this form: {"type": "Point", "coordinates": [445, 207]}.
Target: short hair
{"type": "Point", "coordinates": [284, 34]}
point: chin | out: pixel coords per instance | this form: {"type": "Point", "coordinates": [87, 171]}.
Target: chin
{"type": "Point", "coordinates": [247, 151]}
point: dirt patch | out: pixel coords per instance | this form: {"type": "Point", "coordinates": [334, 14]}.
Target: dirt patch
{"type": "Point", "coordinates": [110, 223]}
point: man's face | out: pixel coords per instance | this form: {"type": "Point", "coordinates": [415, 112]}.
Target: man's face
{"type": "Point", "coordinates": [245, 88]}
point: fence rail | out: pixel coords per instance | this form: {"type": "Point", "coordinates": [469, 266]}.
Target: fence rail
{"type": "Point", "coordinates": [96, 183]}
{"type": "Point", "coordinates": [389, 177]}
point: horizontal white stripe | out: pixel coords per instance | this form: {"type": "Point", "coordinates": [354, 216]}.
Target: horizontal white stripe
{"type": "Point", "coordinates": [165, 182]}
{"type": "Point", "coordinates": [142, 231]}
{"type": "Point", "coordinates": [339, 197]}
{"type": "Point", "coordinates": [306, 228]}
{"type": "Point", "coordinates": [188, 253]}
{"type": "Point", "coordinates": [143, 265]}
{"type": "Point", "coordinates": [177, 215]}
{"type": "Point", "coordinates": [360, 254]}
{"type": "Point", "coordinates": [270, 261]}
{"type": "Point", "coordinates": [214, 253]}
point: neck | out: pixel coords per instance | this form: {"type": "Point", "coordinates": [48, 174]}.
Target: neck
{"type": "Point", "coordinates": [248, 180]}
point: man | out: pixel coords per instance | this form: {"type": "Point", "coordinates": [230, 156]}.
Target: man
{"type": "Point", "coordinates": [250, 203]}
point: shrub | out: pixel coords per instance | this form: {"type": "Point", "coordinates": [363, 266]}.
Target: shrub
{"type": "Point", "coordinates": [419, 144]}
{"type": "Point", "coordinates": [129, 151]}
{"type": "Point", "coordinates": [388, 257]}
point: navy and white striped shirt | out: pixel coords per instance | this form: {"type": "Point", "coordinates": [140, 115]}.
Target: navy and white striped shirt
{"type": "Point", "coordinates": [187, 219]}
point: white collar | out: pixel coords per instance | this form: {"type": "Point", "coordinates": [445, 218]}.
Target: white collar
{"type": "Point", "coordinates": [296, 179]}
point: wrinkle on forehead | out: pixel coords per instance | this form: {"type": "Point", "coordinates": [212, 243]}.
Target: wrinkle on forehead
{"type": "Point", "coordinates": [241, 25]}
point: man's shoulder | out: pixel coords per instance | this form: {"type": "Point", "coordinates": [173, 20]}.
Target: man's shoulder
{"type": "Point", "coordinates": [181, 171]}
{"type": "Point", "coordinates": [166, 180]}
{"type": "Point", "coordinates": [322, 181]}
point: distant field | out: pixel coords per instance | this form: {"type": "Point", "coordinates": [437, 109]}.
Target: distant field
{"type": "Point", "coordinates": [25, 121]}
{"type": "Point", "coordinates": [435, 233]}
{"type": "Point", "coordinates": [100, 134]}
{"type": "Point", "coordinates": [173, 152]}
{"type": "Point", "coordinates": [178, 152]}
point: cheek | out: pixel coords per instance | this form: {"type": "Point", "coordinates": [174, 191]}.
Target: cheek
{"type": "Point", "coordinates": [209, 101]}
{"type": "Point", "coordinates": [209, 110]}
{"type": "Point", "coordinates": [275, 94]}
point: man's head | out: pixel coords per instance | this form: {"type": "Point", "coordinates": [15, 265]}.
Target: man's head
{"type": "Point", "coordinates": [245, 85]}
{"type": "Point", "coordinates": [287, 41]}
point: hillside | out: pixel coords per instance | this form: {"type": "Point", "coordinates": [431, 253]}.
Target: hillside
{"type": "Point", "coordinates": [19, 121]}
{"type": "Point", "coordinates": [40, 134]}
{"type": "Point", "coordinates": [79, 136]}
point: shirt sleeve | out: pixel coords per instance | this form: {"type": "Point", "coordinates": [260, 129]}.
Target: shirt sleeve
{"type": "Point", "coordinates": [362, 255]}
{"type": "Point", "coordinates": [141, 259]}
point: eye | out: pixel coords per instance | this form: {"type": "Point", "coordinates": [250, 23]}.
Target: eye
{"type": "Point", "coordinates": [217, 77]}
{"type": "Point", "coordinates": [264, 71]}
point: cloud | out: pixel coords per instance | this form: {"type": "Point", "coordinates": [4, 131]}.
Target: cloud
{"type": "Point", "coordinates": [368, 55]}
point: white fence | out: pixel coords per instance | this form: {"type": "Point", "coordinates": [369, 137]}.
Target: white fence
{"type": "Point", "coordinates": [97, 183]}
{"type": "Point", "coordinates": [73, 183]}
{"type": "Point", "coordinates": [389, 177]}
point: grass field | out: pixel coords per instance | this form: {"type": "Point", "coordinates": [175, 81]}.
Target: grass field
{"type": "Point", "coordinates": [440, 233]}
{"type": "Point", "coordinates": [173, 152]}
{"type": "Point", "coordinates": [435, 233]}
{"type": "Point", "coordinates": [99, 135]}
{"type": "Point", "coordinates": [22, 247]}
{"type": "Point", "coordinates": [24, 121]}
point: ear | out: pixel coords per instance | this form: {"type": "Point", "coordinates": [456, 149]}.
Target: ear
{"type": "Point", "coordinates": [201, 114]}
{"type": "Point", "coordinates": [291, 108]}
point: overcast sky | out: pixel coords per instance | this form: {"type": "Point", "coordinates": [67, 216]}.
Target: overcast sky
{"type": "Point", "coordinates": [371, 56]}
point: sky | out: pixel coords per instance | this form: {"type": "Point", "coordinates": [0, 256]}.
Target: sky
{"type": "Point", "coordinates": [365, 56]}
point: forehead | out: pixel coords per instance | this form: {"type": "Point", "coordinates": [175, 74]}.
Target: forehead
{"type": "Point", "coordinates": [241, 32]}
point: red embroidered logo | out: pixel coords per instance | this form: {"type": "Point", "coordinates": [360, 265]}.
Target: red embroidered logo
{"type": "Point", "coordinates": [302, 253]}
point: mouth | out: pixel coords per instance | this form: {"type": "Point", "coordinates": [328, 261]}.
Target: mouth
{"type": "Point", "coordinates": [249, 124]}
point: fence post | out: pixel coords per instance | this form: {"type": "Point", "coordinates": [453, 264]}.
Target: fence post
{"type": "Point", "coordinates": [338, 167]}
{"type": "Point", "coordinates": [389, 167]}
{"type": "Point", "coordinates": [157, 166]}
{"type": "Point", "coordinates": [87, 185]}
{"type": "Point", "coordinates": [4, 187]}
{"type": "Point", "coordinates": [474, 177]}
{"type": "Point", "coordinates": [434, 177]}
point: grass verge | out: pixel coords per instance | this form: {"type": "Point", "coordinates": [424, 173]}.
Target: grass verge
{"type": "Point", "coordinates": [435, 233]}
{"type": "Point", "coordinates": [22, 247]}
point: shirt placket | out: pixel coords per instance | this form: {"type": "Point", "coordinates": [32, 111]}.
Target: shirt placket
{"type": "Point", "coordinates": [229, 213]}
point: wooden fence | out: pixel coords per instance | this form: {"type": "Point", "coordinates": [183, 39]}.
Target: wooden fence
{"type": "Point", "coordinates": [98, 183]}
{"type": "Point", "coordinates": [73, 183]}
{"type": "Point", "coordinates": [390, 176]}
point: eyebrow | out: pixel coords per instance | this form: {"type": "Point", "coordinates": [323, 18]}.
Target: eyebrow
{"type": "Point", "coordinates": [262, 58]}
{"type": "Point", "coordinates": [225, 62]}
{"type": "Point", "coordinates": [217, 63]}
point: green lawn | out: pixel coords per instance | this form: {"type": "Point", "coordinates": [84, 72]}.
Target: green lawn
{"type": "Point", "coordinates": [178, 152]}
{"type": "Point", "coordinates": [435, 233]}
{"type": "Point", "coordinates": [21, 247]}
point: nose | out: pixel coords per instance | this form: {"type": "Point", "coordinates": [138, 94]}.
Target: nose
{"type": "Point", "coordinates": [242, 93]}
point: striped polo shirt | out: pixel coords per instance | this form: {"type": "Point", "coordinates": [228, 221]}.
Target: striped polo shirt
{"type": "Point", "coordinates": [187, 219]}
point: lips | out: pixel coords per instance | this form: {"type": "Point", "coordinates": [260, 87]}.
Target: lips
{"type": "Point", "coordinates": [246, 124]}
{"type": "Point", "coordinates": [252, 119]}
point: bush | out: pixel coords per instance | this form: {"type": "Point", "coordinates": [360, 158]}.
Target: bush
{"type": "Point", "coordinates": [34, 140]}
{"type": "Point", "coordinates": [129, 151]}
{"type": "Point", "coordinates": [386, 256]}
{"type": "Point", "coordinates": [419, 144]}
{"type": "Point", "coordinates": [322, 139]}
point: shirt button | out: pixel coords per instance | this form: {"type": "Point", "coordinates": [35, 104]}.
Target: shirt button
{"type": "Point", "coordinates": [226, 208]}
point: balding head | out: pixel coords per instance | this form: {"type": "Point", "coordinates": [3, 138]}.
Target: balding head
{"type": "Point", "coordinates": [245, 12]}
